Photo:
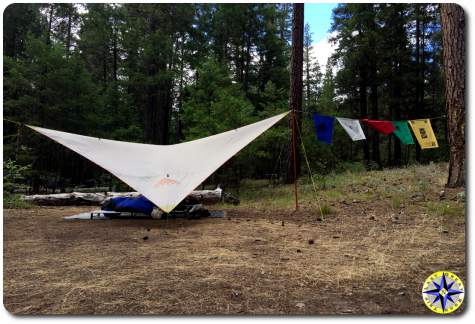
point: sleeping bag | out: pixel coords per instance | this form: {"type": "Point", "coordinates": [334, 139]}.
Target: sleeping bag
{"type": "Point", "coordinates": [138, 204]}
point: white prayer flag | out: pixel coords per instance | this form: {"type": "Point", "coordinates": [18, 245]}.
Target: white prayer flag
{"type": "Point", "coordinates": [165, 174]}
{"type": "Point", "coordinates": [352, 128]}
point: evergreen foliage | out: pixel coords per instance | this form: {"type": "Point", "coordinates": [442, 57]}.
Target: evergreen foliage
{"type": "Point", "coordinates": [167, 73]}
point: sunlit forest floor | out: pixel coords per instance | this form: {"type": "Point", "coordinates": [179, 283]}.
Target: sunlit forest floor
{"type": "Point", "coordinates": [363, 244]}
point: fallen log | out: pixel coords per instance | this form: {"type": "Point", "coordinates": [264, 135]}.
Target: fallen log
{"type": "Point", "coordinates": [66, 199]}
{"type": "Point", "coordinates": [206, 197]}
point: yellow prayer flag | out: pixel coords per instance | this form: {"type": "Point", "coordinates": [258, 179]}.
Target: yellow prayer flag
{"type": "Point", "coordinates": [424, 133]}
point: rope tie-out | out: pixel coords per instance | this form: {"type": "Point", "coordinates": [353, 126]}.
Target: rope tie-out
{"type": "Point", "coordinates": [18, 138]}
{"type": "Point", "coordinates": [310, 171]}
{"type": "Point", "coordinates": [12, 121]}
{"type": "Point", "coordinates": [312, 112]}
{"type": "Point", "coordinates": [277, 165]}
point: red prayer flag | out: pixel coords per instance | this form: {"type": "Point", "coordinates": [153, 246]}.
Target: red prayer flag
{"type": "Point", "coordinates": [383, 126]}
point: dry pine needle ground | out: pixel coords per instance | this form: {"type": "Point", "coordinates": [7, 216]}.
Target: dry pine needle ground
{"type": "Point", "coordinates": [370, 254]}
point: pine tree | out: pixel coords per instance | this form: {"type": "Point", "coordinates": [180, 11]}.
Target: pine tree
{"type": "Point", "coordinates": [19, 20]}
{"type": "Point", "coordinates": [453, 30]}
{"type": "Point", "coordinates": [295, 101]}
{"type": "Point", "coordinates": [354, 24]}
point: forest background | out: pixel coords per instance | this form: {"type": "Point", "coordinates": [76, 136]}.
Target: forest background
{"type": "Point", "coordinates": [167, 73]}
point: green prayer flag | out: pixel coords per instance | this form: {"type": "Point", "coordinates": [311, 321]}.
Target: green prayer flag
{"type": "Point", "coordinates": [402, 132]}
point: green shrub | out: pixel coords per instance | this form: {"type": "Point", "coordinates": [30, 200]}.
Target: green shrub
{"type": "Point", "coordinates": [326, 209]}
{"type": "Point", "coordinates": [13, 175]}
{"type": "Point", "coordinates": [12, 201]}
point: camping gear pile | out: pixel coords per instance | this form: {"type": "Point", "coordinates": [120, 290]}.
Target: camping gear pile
{"type": "Point", "coordinates": [142, 206]}
{"type": "Point", "coordinates": [133, 204]}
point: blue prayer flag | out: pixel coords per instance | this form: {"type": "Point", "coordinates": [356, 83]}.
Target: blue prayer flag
{"type": "Point", "coordinates": [324, 127]}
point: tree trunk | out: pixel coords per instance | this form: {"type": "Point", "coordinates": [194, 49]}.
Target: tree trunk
{"type": "Point", "coordinates": [373, 72]}
{"type": "Point", "coordinates": [283, 22]}
{"type": "Point", "coordinates": [150, 127]}
{"type": "Point", "coordinates": [68, 37]}
{"type": "Point", "coordinates": [375, 153]}
{"type": "Point", "coordinates": [419, 101]}
{"type": "Point", "coordinates": [296, 91]}
{"type": "Point", "coordinates": [116, 57]}
{"type": "Point", "coordinates": [364, 111]}
{"type": "Point", "coordinates": [104, 67]}
{"type": "Point", "coordinates": [390, 160]}
{"type": "Point", "coordinates": [247, 66]}
{"type": "Point", "coordinates": [396, 109]}
{"type": "Point", "coordinates": [17, 145]}
{"type": "Point", "coordinates": [398, 86]}
{"type": "Point", "coordinates": [308, 47]}
{"type": "Point", "coordinates": [115, 98]}
{"type": "Point", "coordinates": [179, 125]}
{"type": "Point", "coordinates": [397, 158]}
{"type": "Point", "coordinates": [157, 113]}
{"type": "Point", "coordinates": [163, 114]}
{"type": "Point", "coordinates": [453, 37]}
{"type": "Point", "coordinates": [50, 23]}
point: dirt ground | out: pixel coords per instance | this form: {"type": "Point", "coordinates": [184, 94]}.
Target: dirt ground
{"type": "Point", "coordinates": [362, 259]}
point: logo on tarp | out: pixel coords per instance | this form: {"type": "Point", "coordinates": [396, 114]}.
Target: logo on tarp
{"type": "Point", "coordinates": [443, 292]}
{"type": "Point", "coordinates": [165, 182]}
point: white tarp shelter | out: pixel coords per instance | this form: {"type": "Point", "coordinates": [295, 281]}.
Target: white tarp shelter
{"type": "Point", "coordinates": [165, 174]}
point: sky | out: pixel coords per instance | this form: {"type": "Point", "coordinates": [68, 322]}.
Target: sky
{"type": "Point", "coordinates": [318, 16]}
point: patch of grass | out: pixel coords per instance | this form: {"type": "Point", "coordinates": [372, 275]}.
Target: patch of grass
{"type": "Point", "coordinates": [398, 188]}
{"type": "Point", "coordinates": [14, 201]}
{"type": "Point", "coordinates": [396, 202]}
{"type": "Point", "coordinates": [353, 167]}
{"type": "Point", "coordinates": [446, 209]}
{"type": "Point", "coordinates": [326, 209]}
{"type": "Point", "coordinates": [332, 194]}
{"type": "Point", "coordinates": [423, 186]}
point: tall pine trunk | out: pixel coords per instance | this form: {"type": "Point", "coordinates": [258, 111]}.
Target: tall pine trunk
{"type": "Point", "coordinates": [296, 90]}
{"type": "Point", "coordinates": [396, 106]}
{"type": "Point", "coordinates": [363, 101]}
{"type": "Point", "coordinates": [307, 47]}
{"type": "Point", "coordinates": [70, 22]}
{"type": "Point", "coordinates": [398, 85]}
{"type": "Point", "coordinates": [419, 73]}
{"type": "Point", "coordinates": [179, 123]}
{"type": "Point", "coordinates": [396, 113]}
{"type": "Point", "coordinates": [50, 23]}
{"type": "Point", "coordinates": [373, 72]}
{"type": "Point", "coordinates": [115, 98]}
{"type": "Point", "coordinates": [157, 113]}
{"type": "Point", "coordinates": [283, 21]}
{"type": "Point", "coordinates": [115, 53]}
{"type": "Point", "coordinates": [375, 152]}
{"type": "Point", "coordinates": [453, 37]}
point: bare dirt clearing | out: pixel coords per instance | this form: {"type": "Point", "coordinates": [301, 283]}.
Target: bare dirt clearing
{"type": "Point", "coordinates": [366, 258]}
